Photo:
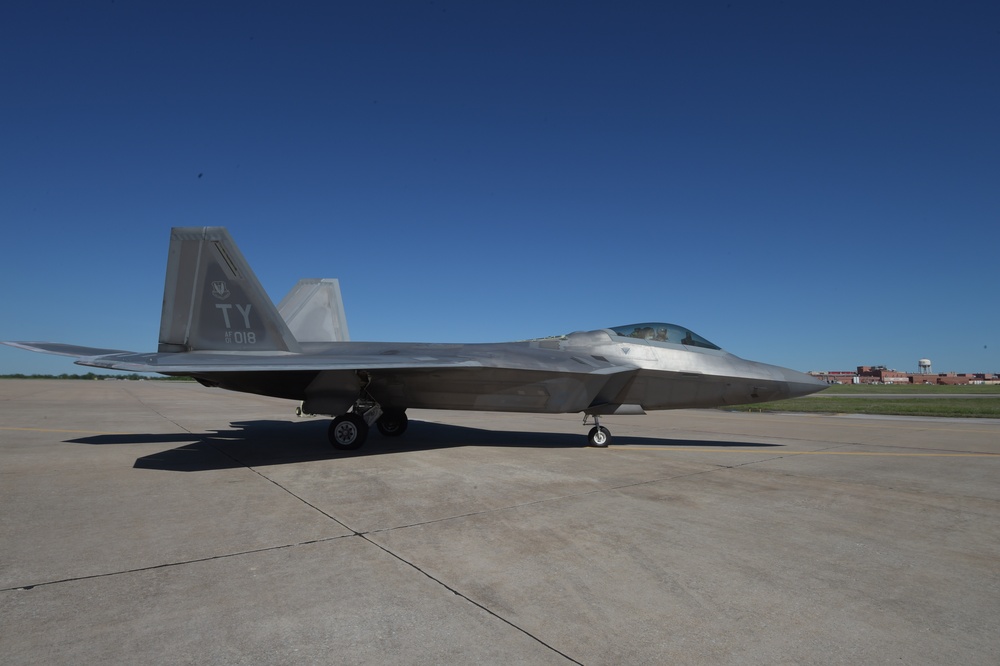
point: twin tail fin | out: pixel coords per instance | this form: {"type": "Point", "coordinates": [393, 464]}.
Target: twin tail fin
{"type": "Point", "coordinates": [212, 301]}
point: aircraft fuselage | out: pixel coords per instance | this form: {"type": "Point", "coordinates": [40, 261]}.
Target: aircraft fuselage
{"type": "Point", "coordinates": [596, 372]}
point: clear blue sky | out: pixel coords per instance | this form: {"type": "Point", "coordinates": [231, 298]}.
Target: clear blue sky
{"type": "Point", "coordinates": [815, 185]}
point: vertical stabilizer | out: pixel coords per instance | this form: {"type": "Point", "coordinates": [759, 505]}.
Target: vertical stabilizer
{"type": "Point", "coordinates": [314, 311]}
{"type": "Point", "coordinates": [212, 299]}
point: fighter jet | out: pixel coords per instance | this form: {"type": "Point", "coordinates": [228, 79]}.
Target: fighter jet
{"type": "Point", "coordinates": [219, 327]}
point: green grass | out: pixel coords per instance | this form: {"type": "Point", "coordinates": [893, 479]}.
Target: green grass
{"type": "Point", "coordinates": [930, 406]}
{"type": "Point", "coordinates": [907, 389]}
{"type": "Point", "coordinates": [925, 400]}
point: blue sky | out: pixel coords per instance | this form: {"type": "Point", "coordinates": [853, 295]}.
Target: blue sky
{"type": "Point", "coordinates": [815, 185]}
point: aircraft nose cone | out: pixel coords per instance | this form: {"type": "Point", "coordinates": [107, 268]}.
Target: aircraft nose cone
{"type": "Point", "coordinates": [800, 384]}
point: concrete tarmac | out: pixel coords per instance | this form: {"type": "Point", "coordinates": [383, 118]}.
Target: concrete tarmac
{"type": "Point", "coordinates": [167, 523]}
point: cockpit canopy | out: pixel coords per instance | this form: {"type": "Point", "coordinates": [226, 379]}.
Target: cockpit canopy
{"type": "Point", "coordinates": [660, 332]}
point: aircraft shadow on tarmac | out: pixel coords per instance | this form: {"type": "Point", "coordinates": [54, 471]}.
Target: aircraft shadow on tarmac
{"type": "Point", "coordinates": [255, 443]}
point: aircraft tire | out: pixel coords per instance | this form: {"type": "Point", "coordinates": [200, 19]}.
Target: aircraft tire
{"type": "Point", "coordinates": [348, 432]}
{"type": "Point", "coordinates": [599, 437]}
{"type": "Point", "coordinates": [392, 423]}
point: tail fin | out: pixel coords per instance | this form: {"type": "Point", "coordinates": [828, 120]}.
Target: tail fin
{"type": "Point", "coordinates": [314, 311]}
{"type": "Point", "coordinates": [212, 299]}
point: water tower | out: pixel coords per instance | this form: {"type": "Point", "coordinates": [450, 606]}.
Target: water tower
{"type": "Point", "coordinates": [925, 366]}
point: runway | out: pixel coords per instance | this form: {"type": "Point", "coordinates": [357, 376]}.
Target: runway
{"type": "Point", "coordinates": [167, 523]}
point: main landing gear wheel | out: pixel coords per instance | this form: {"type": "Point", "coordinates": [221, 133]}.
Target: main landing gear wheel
{"type": "Point", "coordinates": [392, 423]}
{"type": "Point", "coordinates": [599, 436]}
{"type": "Point", "coordinates": [348, 432]}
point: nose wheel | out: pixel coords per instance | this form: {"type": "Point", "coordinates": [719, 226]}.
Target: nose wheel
{"type": "Point", "coordinates": [599, 436]}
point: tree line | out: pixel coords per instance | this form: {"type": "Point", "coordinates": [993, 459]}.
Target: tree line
{"type": "Point", "coordinates": [93, 375]}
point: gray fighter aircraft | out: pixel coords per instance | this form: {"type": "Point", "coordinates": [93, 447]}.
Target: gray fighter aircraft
{"type": "Point", "coordinates": [219, 327]}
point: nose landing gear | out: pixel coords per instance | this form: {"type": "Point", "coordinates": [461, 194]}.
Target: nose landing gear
{"type": "Point", "coordinates": [599, 436]}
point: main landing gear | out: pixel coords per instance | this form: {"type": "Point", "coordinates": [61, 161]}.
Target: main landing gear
{"type": "Point", "coordinates": [349, 431]}
{"type": "Point", "coordinates": [599, 436]}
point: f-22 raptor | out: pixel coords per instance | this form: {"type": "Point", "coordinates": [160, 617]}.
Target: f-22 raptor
{"type": "Point", "coordinates": [219, 327]}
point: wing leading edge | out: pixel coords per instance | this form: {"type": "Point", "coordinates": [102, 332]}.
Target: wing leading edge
{"type": "Point", "coordinates": [61, 349]}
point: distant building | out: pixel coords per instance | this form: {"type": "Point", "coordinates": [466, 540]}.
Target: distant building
{"type": "Point", "coordinates": [879, 374]}
{"type": "Point", "coordinates": [836, 376]}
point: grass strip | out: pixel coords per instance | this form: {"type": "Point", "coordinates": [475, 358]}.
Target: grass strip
{"type": "Point", "coordinates": [956, 407]}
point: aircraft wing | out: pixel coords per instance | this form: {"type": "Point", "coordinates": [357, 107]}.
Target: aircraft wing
{"type": "Point", "coordinates": [206, 363]}
{"type": "Point", "coordinates": [352, 356]}
{"type": "Point", "coordinates": [64, 349]}
{"type": "Point", "coordinates": [503, 377]}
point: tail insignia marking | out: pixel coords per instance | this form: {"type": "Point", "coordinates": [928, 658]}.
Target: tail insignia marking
{"type": "Point", "coordinates": [219, 290]}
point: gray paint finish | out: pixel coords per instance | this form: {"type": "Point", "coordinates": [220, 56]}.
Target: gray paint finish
{"type": "Point", "coordinates": [219, 326]}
